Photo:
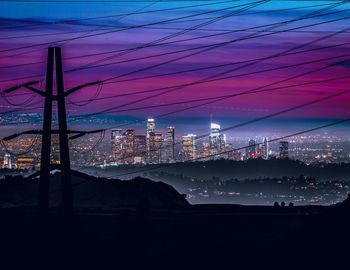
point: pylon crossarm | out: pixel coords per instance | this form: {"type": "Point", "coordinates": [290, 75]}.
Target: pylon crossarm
{"type": "Point", "coordinates": [31, 132]}
{"type": "Point", "coordinates": [14, 88]}
{"type": "Point", "coordinates": [82, 133]}
{"type": "Point", "coordinates": [40, 132]}
{"type": "Point", "coordinates": [74, 89]}
{"type": "Point", "coordinates": [36, 91]}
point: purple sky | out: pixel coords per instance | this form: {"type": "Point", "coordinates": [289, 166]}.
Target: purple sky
{"type": "Point", "coordinates": [235, 50]}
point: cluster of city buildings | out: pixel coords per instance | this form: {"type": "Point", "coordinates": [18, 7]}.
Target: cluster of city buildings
{"type": "Point", "coordinates": [18, 163]}
{"type": "Point", "coordinates": [156, 147]}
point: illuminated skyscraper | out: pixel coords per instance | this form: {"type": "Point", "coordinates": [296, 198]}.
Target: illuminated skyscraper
{"type": "Point", "coordinates": [232, 154]}
{"type": "Point", "coordinates": [129, 142]}
{"type": "Point", "coordinates": [155, 147]}
{"type": "Point", "coordinates": [7, 163]}
{"type": "Point", "coordinates": [150, 126]}
{"type": "Point", "coordinates": [170, 144]}
{"type": "Point", "coordinates": [140, 147]}
{"type": "Point", "coordinates": [217, 141]}
{"type": "Point", "coordinates": [117, 141]}
{"type": "Point", "coordinates": [284, 145]}
{"type": "Point", "coordinates": [251, 150]}
{"type": "Point", "coordinates": [206, 151]}
{"type": "Point", "coordinates": [265, 149]}
{"type": "Point", "coordinates": [189, 150]}
{"type": "Point", "coordinates": [150, 129]}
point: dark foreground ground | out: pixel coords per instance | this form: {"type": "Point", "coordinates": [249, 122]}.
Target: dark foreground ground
{"type": "Point", "coordinates": [202, 236]}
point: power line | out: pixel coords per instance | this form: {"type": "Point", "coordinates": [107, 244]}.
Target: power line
{"type": "Point", "coordinates": [242, 75]}
{"type": "Point", "coordinates": [205, 49]}
{"type": "Point", "coordinates": [227, 64]}
{"type": "Point", "coordinates": [211, 78]}
{"type": "Point", "coordinates": [95, 98]}
{"type": "Point", "coordinates": [220, 17]}
{"type": "Point", "coordinates": [119, 19]}
{"type": "Point", "coordinates": [115, 27]}
{"type": "Point", "coordinates": [156, 28]}
{"type": "Point", "coordinates": [216, 45]}
{"type": "Point", "coordinates": [228, 96]}
{"type": "Point", "coordinates": [171, 36]}
{"type": "Point", "coordinates": [153, 28]}
{"type": "Point", "coordinates": [118, 30]}
{"type": "Point", "coordinates": [118, 15]}
{"type": "Point", "coordinates": [330, 21]}
{"type": "Point", "coordinates": [233, 76]}
{"type": "Point", "coordinates": [169, 89]}
{"type": "Point", "coordinates": [210, 67]}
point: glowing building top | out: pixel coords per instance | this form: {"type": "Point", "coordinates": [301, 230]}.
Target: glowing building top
{"type": "Point", "coordinates": [150, 126]}
{"type": "Point", "coordinates": [215, 126]}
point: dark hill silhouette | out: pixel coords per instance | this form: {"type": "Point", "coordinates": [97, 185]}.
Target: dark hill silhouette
{"type": "Point", "coordinates": [93, 192]}
{"type": "Point", "coordinates": [252, 169]}
{"type": "Point", "coordinates": [175, 236]}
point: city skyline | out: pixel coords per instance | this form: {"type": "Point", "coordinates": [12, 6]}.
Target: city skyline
{"type": "Point", "coordinates": [154, 145]}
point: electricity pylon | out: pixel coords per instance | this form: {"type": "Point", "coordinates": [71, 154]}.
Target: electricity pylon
{"type": "Point", "coordinates": [54, 57]}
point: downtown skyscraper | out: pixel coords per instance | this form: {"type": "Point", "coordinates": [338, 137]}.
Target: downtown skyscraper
{"type": "Point", "coordinates": [170, 145]}
{"type": "Point", "coordinates": [117, 143]}
{"type": "Point", "coordinates": [217, 141]}
{"type": "Point", "coordinates": [189, 150]}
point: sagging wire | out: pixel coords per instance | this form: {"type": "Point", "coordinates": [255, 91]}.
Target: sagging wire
{"type": "Point", "coordinates": [99, 141]}
{"type": "Point", "coordinates": [91, 99]}
{"type": "Point", "coordinates": [25, 103]}
{"type": "Point", "coordinates": [29, 149]}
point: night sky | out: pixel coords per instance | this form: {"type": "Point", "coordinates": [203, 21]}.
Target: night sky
{"type": "Point", "coordinates": [24, 26]}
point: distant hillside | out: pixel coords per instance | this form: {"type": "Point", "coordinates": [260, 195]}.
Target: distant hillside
{"type": "Point", "coordinates": [228, 169]}
{"type": "Point", "coordinates": [92, 192]}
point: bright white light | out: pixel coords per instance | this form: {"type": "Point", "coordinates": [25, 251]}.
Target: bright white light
{"type": "Point", "coordinates": [214, 126]}
{"type": "Point", "coordinates": [190, 135]}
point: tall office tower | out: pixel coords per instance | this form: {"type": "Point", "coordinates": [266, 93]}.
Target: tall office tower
{"type": "Point", "coordinates": [206, 151]}
{"type": "Point", "coordinates": [284, 145]}
{"type": "Point", "coordinates": [223, 146]}
{"type": "Point", "coordinates": [237, 155]}
{"type": "Point", "coordinates": [7, 163]}
{"type": "Point", "coordinates": [140, 147]}
{"type": "Point", "coordinates": [217, 141]}
{"type": "Point", "coordinates": [189, 150]}
{"type": "Point", "coordinates": [251, 149]}
{"type": "Point", "coordinates": [117, 141]}
{"type": "Point", "coordinates": [170, 144]}
{"type": "Point", "coordinates": [265, 149]}
{"type": "Point", "coordinates": [150, 126]}
{"type": "Point", "coordinates": [129, 141]}
{"type": "Point", "coordinates": [155, 147]}
{"type": "Point", "coordinates": [231, 152]}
